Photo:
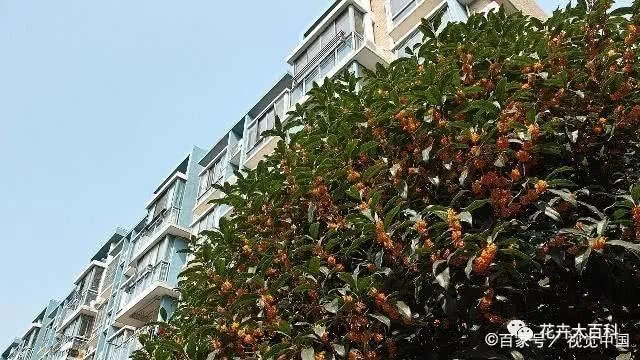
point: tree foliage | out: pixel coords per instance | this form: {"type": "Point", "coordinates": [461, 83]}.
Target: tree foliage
{"type": "Point", "coordinates": [492, 175]}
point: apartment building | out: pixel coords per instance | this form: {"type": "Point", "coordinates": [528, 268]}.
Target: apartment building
{"type": "Point", "coordinates": [131, 280]}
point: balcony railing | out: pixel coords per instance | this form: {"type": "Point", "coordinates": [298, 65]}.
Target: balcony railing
{"type": "Point", "coordinates": [110, 273]}
{"type": "Point", "coordinates": [24, 353]}
{"type": "Point", "coordinates": [142, 281]}
{"type": "Point", "coordinates": [76, 341]}
{"type": "Point", "coordinates": [148, 234]}
{"type": "Point", "coordinates": [78, 299]}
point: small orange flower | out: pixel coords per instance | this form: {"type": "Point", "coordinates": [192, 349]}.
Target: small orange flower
{"type": "Point", "coordinates": [541, 187]}
{"type": "Point", "coordinates": [515, 175]}
{"type": "Point", "coordinates": [481, 263]}
{"type": "Point", "coordinates": [598, 243]}
{"type": "Point", "coordinates": [475, 137]}
{"type": "Point", "coordinates": [502, 143]}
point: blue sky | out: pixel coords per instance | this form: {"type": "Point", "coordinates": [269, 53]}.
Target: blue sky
{"type": "Point", "coordinates": [98, 101]}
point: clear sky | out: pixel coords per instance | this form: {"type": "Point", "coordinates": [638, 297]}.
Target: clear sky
{"type": "Point", "coordinates": [98, 101]}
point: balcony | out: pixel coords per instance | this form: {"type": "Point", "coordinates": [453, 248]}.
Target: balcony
{"type": "Point", "coordinates": [79, 303]}
{"type": "Point", "coordinates": [257, 146]}
{"type": "Point", "coordinates": [109, 277]}
{"type": "Point", "coordinates": [24, 353]}
{"type": "Point", "coordinates": [165, 223]}
{"type": "Point", "coordinates": [141, 295]}
{"type": "Point", "coordinates": [68, 343]}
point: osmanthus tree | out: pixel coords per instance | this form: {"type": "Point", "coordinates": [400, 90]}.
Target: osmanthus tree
{"type": "Point", "coordinates": [493, 175]}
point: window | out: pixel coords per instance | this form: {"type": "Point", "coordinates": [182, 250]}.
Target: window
{"type": "Point", "coordinates": [411, 41]}
{"type": "Point", "coordinates": [97, 277]}
{"type": "Point", "coordinates": [342, 23]}
{"type": "Point", "coordinates": [328, 35]}
{"type": "Point", "coordinates": [308, 81]}
{"type": "Point", "coordinates": [359, 23]}
{"type": "Point", "coordinates": [297, 92]}
{"type": "Point", "coordinates": [300, 63]}
{"type": "Point", "coordinates": [416, 36]}
{"type": "Point", "coordinates": [265, 122]}
{"type": "Point", "coordinates": [208, 222]}
{"type": "Point", "coordinates": [326, 65]}
{"type": "Point", "coordinates": [212, 175]}
{"type": "Point", "coordinates": [314, 49]}
{"type": "Point", "coordinates": [280, 108]}
{"type": "Point", "coordinates": [160, 204]}
{"type": "Point", "coordinates": [344, 49]}
{"type": "Point", "coordinates": [401, 8]}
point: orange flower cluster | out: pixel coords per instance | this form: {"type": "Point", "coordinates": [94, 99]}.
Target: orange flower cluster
{"type": "Point", "coordinates": [481, 263]}
{"type": "Point", "coordinates": [382, 237]}
{"type": "Point", "coordinates": [514, 112]}
{"type": "Point", "coordinates": [383, 304]}
{"type": "Point", "coordinates": [407, 121]}
{"type": "Point", "coordinates": [352, 175]}
{"type": "Point", "coordinates": [327, 210]}
{"type": "Point", "coordinates": [455, 227]}
{"type": "Point", "coordinates": [598, 243]}
{"type": "Point", "coordinates": [486, 303]}
{"type": "Point", "coordinates": [541, 187]}
{"type": "Point", "coordinates": [467, 68]}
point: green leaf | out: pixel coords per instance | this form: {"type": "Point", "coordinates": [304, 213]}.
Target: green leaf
{"type": "Point", "coordinates": [404, 309]}
{"type": "Point", "coordinates": [634, 248]}
{"type": "Point", "coordinates": [383, 319]}
{"type": "Point", "coordinates": [314, 229]}
{"type": "Point", "coordinates": [635, 192]}
{"type": "Point", "coordinates": [441, 273]}
{"type": "Point", "coordinates": [582, 259]}
{"type": "Point", "coordinates": [466, 216]}
{"type": "Point", "coordinates": [308, 354]}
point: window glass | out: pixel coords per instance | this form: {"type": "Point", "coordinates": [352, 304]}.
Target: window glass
{"type": "Point", "coordinates": [344, 49]}
{"type": "Point", "coordinates": [262, 124]}
{"type": "Point", "coordinates": [399, 8]}
{"type": "Point", "coordinates": [342, 23]}
{"type": "Point", "coordinates": [296, 94]}
{"type": "Point", "coordinates": [410, 42]}
{"type": "Point", "coordinates": [359, 22]}
{"type": "Point", "coordinates": [252, 135]}
{"type": "Point", "coordinates": [161, 203]}
{"type": "Point", "coordinates": [279, 107]}
{"type": "Point", "coordinates": [326, 65]}
{"type": "Point", "coordinates": [300, 63]}
{"type": "Point", "coordinates": [313, 50]}
{"type": "Point", "coordinates": [328, 34]}
{"type": "Point", "coordinates": [270, 119]}
{"type": "Point", "coordinates": [203, 183]}
{"type": "Point", "coordinates": [308, 81]}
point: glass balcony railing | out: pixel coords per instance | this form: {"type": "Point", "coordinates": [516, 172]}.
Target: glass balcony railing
{"type": "Point", "coordinates": [149, 233]}
{"type": "Point", "coordinates": [145, 278]}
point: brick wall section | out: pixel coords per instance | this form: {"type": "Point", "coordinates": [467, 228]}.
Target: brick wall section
{"type": "Point", "coordinates": [379, 15]}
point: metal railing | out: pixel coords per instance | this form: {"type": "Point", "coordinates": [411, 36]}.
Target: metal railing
{"type": "Point", "coordinates": [169, 216]}
{"type": "Point", "coordinates": [110, 273]}
{"type": "Point", "coordinates": [142, 281]}
{"type": "Point", "coordinates": [78, 299]}
{"type": "Point", "coordinates": [24, 353]}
